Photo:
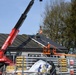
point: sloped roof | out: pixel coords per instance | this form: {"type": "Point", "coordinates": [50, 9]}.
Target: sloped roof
{"type": "Point", "coordinates": [21, 41]}
{"type": "Point", "coordinates": [25, 42]}
{"type": "Point", "coordinates": [44, 40]}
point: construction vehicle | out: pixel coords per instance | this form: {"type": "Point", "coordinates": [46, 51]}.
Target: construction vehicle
{"type": "Point", "coordinates": [13, 34]}
{"type": "Point", "coordinates": [64, 63]}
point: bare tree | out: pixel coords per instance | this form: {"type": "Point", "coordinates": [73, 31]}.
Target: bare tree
{"type": "Point", "coordinates": [54, 20]}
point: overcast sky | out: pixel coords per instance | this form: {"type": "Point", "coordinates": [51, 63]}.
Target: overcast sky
{"type": "Point", "coordinates": [11, 10]}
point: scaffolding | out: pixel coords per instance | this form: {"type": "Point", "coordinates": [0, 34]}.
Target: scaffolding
{"type": "Point", "coordinates": [63, 65]}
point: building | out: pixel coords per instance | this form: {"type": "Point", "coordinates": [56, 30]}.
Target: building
{"type": "Point", "coordinates": [27, 44]}
{"type": "Point", "coordinates": [30, 43]}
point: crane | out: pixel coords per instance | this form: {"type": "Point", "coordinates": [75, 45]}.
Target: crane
{"type": "Point", "coordinates": [13, 35]}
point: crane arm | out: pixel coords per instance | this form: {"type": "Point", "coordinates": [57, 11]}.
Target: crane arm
{"type": "Point", "coordinates": [15, 30]}
{"type": "Point", "coordinates": [14, 33]}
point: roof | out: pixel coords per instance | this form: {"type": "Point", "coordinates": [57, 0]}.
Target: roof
{"type": "Point", "coordinates": [44, 40]}
{"type": "Point", "coordinates": [30, 42]}
{"type": "Point", "coordinates": [21, 41]}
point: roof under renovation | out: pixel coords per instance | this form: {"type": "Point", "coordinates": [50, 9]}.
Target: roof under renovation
{"type": "Point", "coordinates": [30, 43]}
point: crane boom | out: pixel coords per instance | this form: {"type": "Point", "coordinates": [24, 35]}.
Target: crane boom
{"type": "Point", "coordinates": [14, 33]}
{"type": "Point", "coordinates": [15, 30]}
{"type": "Point", "coordinates": [24, 15]}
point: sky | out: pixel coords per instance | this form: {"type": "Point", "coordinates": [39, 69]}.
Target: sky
{"type": "Point", "coordinates": [11, 10]}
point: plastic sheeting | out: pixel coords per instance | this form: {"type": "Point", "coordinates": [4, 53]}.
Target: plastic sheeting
{"type": "Point", "coordinates": [40, 66]}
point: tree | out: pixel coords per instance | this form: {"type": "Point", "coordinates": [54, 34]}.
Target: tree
{"type": "Point", "coordinates": [71, 25]}
{"type": "Point", "coordinates": [54, 21]}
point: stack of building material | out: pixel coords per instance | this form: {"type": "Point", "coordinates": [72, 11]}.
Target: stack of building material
{"type": "Point", "coordinates": [63, 64]}
{"type": "Point", "coordinates": [20, 65]}
{"type": "Point", "coordinates": [10, 69]}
